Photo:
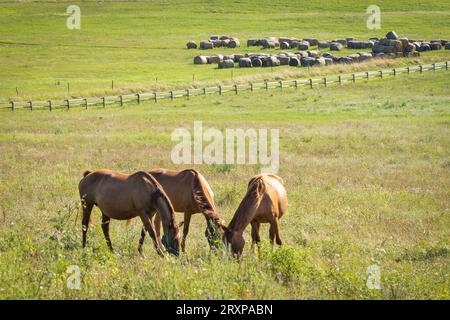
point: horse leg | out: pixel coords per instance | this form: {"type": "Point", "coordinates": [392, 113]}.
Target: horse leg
{"type": "Point", "coordinates": [141, 240]}
{"type": "Point", "coordinates": [187, 221]}
{"type": "Point", "coordinates": [272, 233]}
{"type": "Point", "coordinates": [277, 232]}
{"type": "Point", "coordinates": [87, 209]}
{"type": "Point", "coordinates": [255, 233]}
{"type": "Point", "coordinates": [105, 227]}
{"type": "Point", "coordinates": [148, 224]}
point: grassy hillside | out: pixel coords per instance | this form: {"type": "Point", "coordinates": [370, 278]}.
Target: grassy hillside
{"type": "Point", "coordinates": [366, 168]}
{"type": "Point", "coordinates": [141, 44]}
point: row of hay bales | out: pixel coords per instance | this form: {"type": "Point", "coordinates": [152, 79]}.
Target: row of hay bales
{"type": "Point", "coordinates": [392, 44]}
{"type": "Point", "coordinates": [215, 42]}
{"type": "Point", "coordinates": [308, 58]}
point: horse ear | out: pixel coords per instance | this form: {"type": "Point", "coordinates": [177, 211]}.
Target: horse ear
{"type": "Point", "coordinates": [180, 224]}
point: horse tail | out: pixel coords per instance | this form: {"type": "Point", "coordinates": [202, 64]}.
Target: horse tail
{"type": "Point", "coordinates": [203, 196]}
{"type": "Point", "coordinates": [86, 173]}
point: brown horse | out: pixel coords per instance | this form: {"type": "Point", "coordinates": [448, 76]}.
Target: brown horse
{"type": "Point", "coordinates": [122, 197]}
{"type": "Point", "coordinates": [190, 193]}
{"type": "Point", "coordinates": [265, 202]}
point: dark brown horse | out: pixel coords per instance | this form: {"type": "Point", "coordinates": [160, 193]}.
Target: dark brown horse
{"type": "Point", "coordinates": [189, 192]}
{"type": "Point", "coordinates": [123, 197]}
{"type": "Point", "coordinates": [265, 202]}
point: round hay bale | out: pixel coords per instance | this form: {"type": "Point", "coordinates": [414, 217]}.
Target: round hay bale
{"type": "Point", "coordinates": [284, 45]}
{"type": "Point", "coordinates": [294, 62]}
{"type": "Point", "coordinates": [214, 38]}
{"type": "Point", "coordinates": [424, 47]}
{"type": "Point", "coordinates": [345, 60]}
{"type": "Point", "coordinates": [267, 44]}
{"type": "Point", "coordinates": [313, 53]}
{"type": "Point", "coordinates": [215, 58]}
{"type": "Point", "coordinates": [234, 43]}
{"type": "Point", "coordinates": [392, 35]}
{"type": "Point", "coordinates": [311, 41]}
{"type": "Point", "coordinates": [328, 61]}
{"type": "Point", "coordinates": [307, 61]}
{"type": "Point", "coordinates": [320, 61]}
{"type": "Point", "coordinates": [435, 45]}
{"type": "Point", "coordinates": [224, 38]}
{"type": "Point", "coordinates": [336, 46]}
{"type": "Point", "coordinates": [245, 63]}
{"type": "Point", "coordinates": [284, 61]}
{"type": "Point", "coordinates": [217, 43]}
{"type": "Point", "coordinates": [304, 45]}
{"type": "Point", "coordinates": [256, 62]}
{"type": "Point", "coordinates": [274, 61]}
{"type": "Point", "coordinates": [205, 45]}
{"type": "Point", "coordinates": [191, 45]}
{"type": "Point", "coordinates": [323, 44]}
{"type": "Point", "coordinates": [238, 57]}
{"type": "Point", "coordinates": [225, 64]}
{"type": "Point", "coordinates": [228, 57]}
{"type": "Point", "coordinates": [341, 41]}
{"type": "Point", "coordinates": [409, 47]}
{"type": "Point", "coordinates": [225, 42]}
{"type": "Point", "coordinates": [252, 42]}
{"type": "Point", "coordinates": [447, 46]}
{"type": "Point", "coordinates": [200, 60]}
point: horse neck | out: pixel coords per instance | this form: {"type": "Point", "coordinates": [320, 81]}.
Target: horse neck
{"type": "Point", "coordinates": [244, 214]}
{"type": "Point", "coordinates": [166, 214]}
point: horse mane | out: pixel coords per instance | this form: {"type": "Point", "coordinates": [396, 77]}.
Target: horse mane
{"type": "Point", "coordinates": [202, 196]}
{"type": "Point", "coordinates": [255, 191]}
{"type": "Point", "coordinates": [160, 192]}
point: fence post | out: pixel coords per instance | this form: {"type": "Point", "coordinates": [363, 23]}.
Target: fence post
{"type": "Point", "coordinates": [154, 97]}
{"type": "Point", "coordinates": [31, 105]}
{"type": "Point", "coordinates": [104, 102]}
{"type": "Point", "coordinates": [236, 89]}
{"type": "Point", "coordinates": [296, 84]}
{"type": "Point", "coordinates": [12, 105]}
{"type": "Point", "coordinates": [85, 103]}
{"type": "Point", "coordinates": [367, 75]}
{"type": "Point", "coordinates": [421, 68]}
{"type": "Point", "coordinates": [204, 91]}
{"type": "Point", "coordinates": [138, 98]}
{"type": "Point", "coordinates": [121, 100]}
{"type": "Point", "coordinates": [354, 77]}
{"type": "Point", "coordinates": [187, 93]}
{"type": "Point", "coordinates": [281, 84]}
{"type": "Point", "coordinates": [50, 105]}
{"type": "Point", "coordinates": [68, 104]}
{"type": "Point", "coordinates": [251, 86]}
{"type": "Point", "coordinates": [310, 83]}
{"type": "Point", "coordinates": [394, 72]}
{"type": "Point", "coordinates": [434, 66]}
{"type": "Point", "coordinates": [220, 90]}
{"type": "Point", "coordinates": [267, 84]}
{"type": "Point", "coordinates": [446, 65]}
{"type": "Point", "coordinates": [171, 95]}
{"type": "Point", "coordinates": [340, 79]}
{"type": "Point", "coordinates": [325, 81]}
{"type": "Point", "coordinates": [381, 74]}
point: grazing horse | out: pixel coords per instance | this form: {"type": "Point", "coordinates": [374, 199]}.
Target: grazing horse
{"type": "Point", "coordinates": [189, 192]}
{"type": "Point", "coordinates": [265, 202]}
{"type": "Point", "coordinates": [122, 197]}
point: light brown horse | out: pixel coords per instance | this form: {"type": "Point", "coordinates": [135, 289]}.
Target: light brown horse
{"type": "Point", "coordinates": [265, 202]}
{"type": "Point", "coordinates": [190, 193]}
{"type": "Point", "coordinates": [122, 197]}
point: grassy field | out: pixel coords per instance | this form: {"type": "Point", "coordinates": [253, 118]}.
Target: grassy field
{"type": "Point", "coordinates": [366, 165]}
{"type": "Point", "coordinates": [366, 168]}
{"type": "Point", "coordinates": [141, 45]}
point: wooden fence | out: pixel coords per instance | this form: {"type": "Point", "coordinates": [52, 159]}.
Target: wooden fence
{"type": "Point", "coordinates": [220, 89]}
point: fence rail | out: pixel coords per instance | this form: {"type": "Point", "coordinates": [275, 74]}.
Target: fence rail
{"type": "Point", "coordinates": [220, 89]}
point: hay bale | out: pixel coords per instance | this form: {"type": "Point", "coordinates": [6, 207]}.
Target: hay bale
{"type": "Point", "coordinates": [284, 45]}
{"type": "Point", "coordinates": [313, 53]}
{"type": "Point", "coordinates": [328, 61]}
{"type": "Point", "coordinates": [311, 41]}
{"type": "Point", "coordinates": [234, 43]}
{"type": "Point", "coordinates": [200, 60]}
{"type": "Point", "coordinates": [307, 62]}
{"type": "Point", "coordinates": [245, 63]}
{"type": "Point", "coordinates": [224, 38]}
{"type": "Point", "coordinates": [424, 47]}
{"type": "Point", "coordinates": [336, 46]}
{"type": "Point", "coordinates": [323, 44]}
{"type": "Point", "coordinates": [284, 60]}
{"type": "Point", "coordinates": [256, 62]}
{"type": "Point", "coordinates": [217, 43]}
{"type": "Point", "coordinates": [392, 35]}
{"type": "Point", "coordinates": [215, 58]}
{"type": "Point", "coordinates": [238, 57]}
{"type": "Point", "coordinates": [436, 45]}
{"type": "Point", "coordinates": [349, 39]}
{"type": "Point", "coordinates": [214, 38]}
{"type": "Point", "coordinates": [320, 61]}
{"type": "Point", "coordinates": [345, 60]}
{"type": "Point", "coordinates": [191, 45]}
{"type": "Point", "coordinates": [364, 56]}
{"type": "Point", "coordinates": [360, 44]}
{"type": "Point", "coordinates": [269, 44]}
{"type": "Point", "coordinates": [225, 64]}
{"type": "Point", "coordinates": [409, 47]}
{"type": "Point", "coordinates": [304, 45]}
{"type": "Point", "coordinates": [294, 62]}
{"type": "Point", "coordinates": [404, 42]}
{"type": "Point", "coordinates": [447, 46]}
{"type": "Point", "coordinates": [205, 45]}
{"type": "Point", "coordinates": [252, 42]}
{"type": "Point", "coordinates": [341, 41]}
